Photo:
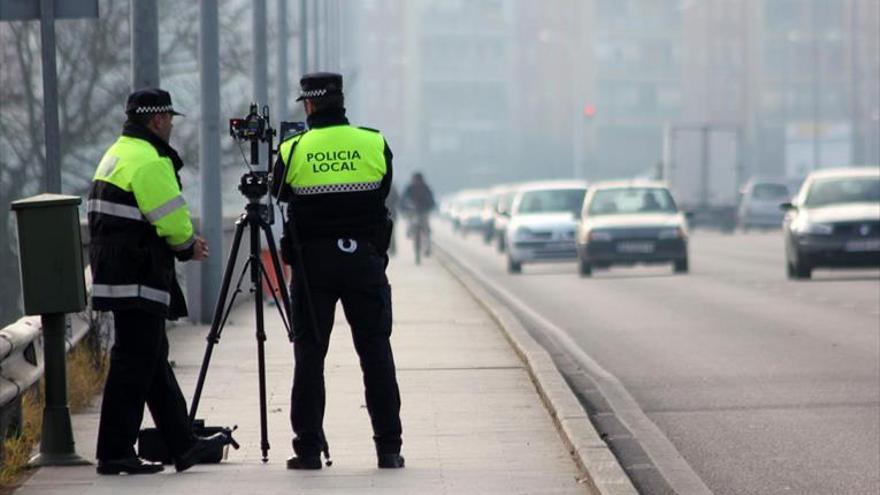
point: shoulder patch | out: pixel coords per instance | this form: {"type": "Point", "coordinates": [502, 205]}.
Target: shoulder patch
{"type": "Point", "coordinates": [369, 129]}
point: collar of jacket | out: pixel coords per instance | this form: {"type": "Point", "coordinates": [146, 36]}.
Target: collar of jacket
{"type": "Point", "coordinates": [327, 117]}
{"type": "Point", "coordinates": [135, 130]}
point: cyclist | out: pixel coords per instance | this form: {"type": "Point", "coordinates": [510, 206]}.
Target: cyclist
{"type": "Point", "coordinates": [418, 201]}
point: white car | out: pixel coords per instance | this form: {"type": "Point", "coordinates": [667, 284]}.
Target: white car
{"type": "Point", "coordinates": [468, 211]}
{"type": "Point", "coordinates": [630, 222]}
{"type": "Point", "coordinates": [543, 219]}
{"type": "Point", "coordinates": [834, 221]}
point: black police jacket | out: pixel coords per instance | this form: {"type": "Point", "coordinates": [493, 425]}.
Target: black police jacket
{"type": "Point", "coordinates": [358, 215]}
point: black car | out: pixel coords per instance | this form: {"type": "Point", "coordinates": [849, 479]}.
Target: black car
{"type": "Point", "coordinates": [627, 223]}
{"type": "Point", "coordinates": [834, 221]}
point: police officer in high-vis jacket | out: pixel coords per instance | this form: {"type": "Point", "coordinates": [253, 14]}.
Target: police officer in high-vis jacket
{"type": "Point", "coordinates": [139, 223]}
{"type": "Point", "coordinates": [335, 178]}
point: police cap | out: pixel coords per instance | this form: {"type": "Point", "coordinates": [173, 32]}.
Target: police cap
{"type": "Point", "coordinates": [148, 101]}
{"type": "Point", "coordinates": [318, 84]}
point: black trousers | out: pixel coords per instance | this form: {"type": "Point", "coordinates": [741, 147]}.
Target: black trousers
{"type": "Point", "coordinates": [357, 279]}
{"type": "Point", "coordinates": [140, 374]}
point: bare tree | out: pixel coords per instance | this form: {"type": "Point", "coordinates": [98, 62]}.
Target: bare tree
{"type": "Point", "coordinates": [90, 87]}
{"type": "Point", "coordinates": [93, 60]}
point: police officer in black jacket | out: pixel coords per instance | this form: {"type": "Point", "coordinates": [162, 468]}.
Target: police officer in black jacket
{"type": "Point", "coordinates": [139, 223]}
{"type": "Point", "coordinates": [335, 178]}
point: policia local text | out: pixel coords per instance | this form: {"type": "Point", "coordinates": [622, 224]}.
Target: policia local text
{"type": "Point", "coordinates": [335, 161]}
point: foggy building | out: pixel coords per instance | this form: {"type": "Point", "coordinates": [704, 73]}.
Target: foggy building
{"type": "Point", "coordinates": [637, 75]}
{"type": "Point", "coordinates": [376, 69]}
{"type": "Point", "coordinates": [781, 69]}
{"type": "Point", "coordinates": [435, 76]}
{"type": "Point", "coordinates": [481, 92]}
{"type": "Point", "coordinates": [552, 62]}
{"type": "Point", "coordinates": [464, 90]}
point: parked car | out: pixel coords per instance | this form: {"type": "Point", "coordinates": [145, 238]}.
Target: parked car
{"type": "Point", "coordinates": [759, 204]}
{"type": "Point", "coordinates": [625, 223]}
{"type": "Point", "coordinates": [542, 222]}
{"type": "Point", "coordinates": [834, 221]}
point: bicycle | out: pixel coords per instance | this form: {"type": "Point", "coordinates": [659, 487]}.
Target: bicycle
{"type": "Point", "coordinates": [420, 232]}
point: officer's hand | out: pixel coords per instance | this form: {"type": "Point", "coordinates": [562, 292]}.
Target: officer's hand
{"type": "Point", "coordinates": [200, 249]}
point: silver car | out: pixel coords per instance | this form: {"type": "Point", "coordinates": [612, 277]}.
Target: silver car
{"type": "Point", "coordinates": [759, 205]}
{"type": "Point", "coordinates": [542, 223]}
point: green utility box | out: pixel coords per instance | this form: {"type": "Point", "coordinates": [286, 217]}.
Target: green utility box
{"type": "Point", "coordinates": [50, 252]}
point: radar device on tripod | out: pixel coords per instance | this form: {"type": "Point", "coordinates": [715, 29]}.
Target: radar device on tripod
{"type": "Point", "coordinates": [258, 217]}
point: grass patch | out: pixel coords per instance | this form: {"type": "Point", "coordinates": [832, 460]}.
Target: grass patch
{"type": "Point", "coordinates": [17, 448]}
{"type": "Point", "coordinates": [86, 373]}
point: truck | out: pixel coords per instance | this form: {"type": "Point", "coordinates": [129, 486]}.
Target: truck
{"type": "Point", "coordinates": [703, 169]}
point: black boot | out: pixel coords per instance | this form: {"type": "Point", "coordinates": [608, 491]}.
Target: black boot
{"type": "Point", "coordinates": [201, 449]}
{"type": "Point", "coordinates": [390, 461]}
{"type": "Point", "coordinates": [130, 465]}
{"type": "Point", "coordinates": [305, 462]}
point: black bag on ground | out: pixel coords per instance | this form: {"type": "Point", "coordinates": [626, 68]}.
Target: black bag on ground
{"type": "Point", "coordinates": [151, 446]}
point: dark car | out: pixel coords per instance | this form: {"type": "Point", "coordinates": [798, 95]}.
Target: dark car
{"type": "Point", "coordinates": [834, 221]}
{"type": "Point", "coordinates": [627, 223]}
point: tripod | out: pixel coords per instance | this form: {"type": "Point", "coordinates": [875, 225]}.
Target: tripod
{"type": "Point", "coordinates": [254, 186]}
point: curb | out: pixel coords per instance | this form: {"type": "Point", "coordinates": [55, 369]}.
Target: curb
{"type": "Point", "coordinates": [601, 470]}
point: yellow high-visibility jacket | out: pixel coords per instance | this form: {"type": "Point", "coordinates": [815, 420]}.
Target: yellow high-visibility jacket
{"type": "Point", "coordinates": [139, 222]}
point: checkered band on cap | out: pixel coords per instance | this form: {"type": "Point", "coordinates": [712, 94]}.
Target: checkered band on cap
{"type": "Point", "coordinates": [154, 109]}
{"type": "Point", "coordinates": [313, 93]}
{"type": "Point", "coordinates": [337, 188]}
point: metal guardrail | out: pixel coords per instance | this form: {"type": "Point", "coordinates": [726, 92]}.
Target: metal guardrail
{"type": "Point", "coordinates": [21, 353]}
{"type": "Point", "coordinates": [21, 356]}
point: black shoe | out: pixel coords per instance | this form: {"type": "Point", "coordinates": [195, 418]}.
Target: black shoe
{"type": "Point", "coordinates": [130, 465]}
{"type": "Point", "coordinates": [305, 462]}
{"type": "Point", "coordinates": [200, 450]}
{"type": "Point", "coordinates": [390, 461]}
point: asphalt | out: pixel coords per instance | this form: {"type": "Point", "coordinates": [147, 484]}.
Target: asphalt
{"type": "Point", "coordinates": [484, 410]}
{"type": "Point", "coordinates": [762, 385]}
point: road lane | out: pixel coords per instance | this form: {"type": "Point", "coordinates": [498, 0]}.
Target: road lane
{"type": "Point", "coordinates": [764, 385]}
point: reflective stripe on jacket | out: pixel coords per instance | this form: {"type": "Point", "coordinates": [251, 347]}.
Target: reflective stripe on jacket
{"type": "Point", "coordinates": [138, 219]}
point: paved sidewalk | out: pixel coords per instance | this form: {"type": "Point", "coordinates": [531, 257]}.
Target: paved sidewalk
{"type": "Point", "coordinates": [473, 421]}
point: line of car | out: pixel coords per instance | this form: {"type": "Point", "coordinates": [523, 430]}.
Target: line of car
{"type": "Point", "coordinates": [605, 224]}
{"type": "Point", "coordinates": [833, 221]}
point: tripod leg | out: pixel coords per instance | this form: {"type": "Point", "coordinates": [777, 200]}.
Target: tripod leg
{"type": "Point", "coordinates": [278, 303]}
{"type": "Point", "coordinates": [279, 276]}
{"type": "Point", "coordinates": [257, 278]}
{"type": "Point", "coordinates": [217, 321]}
